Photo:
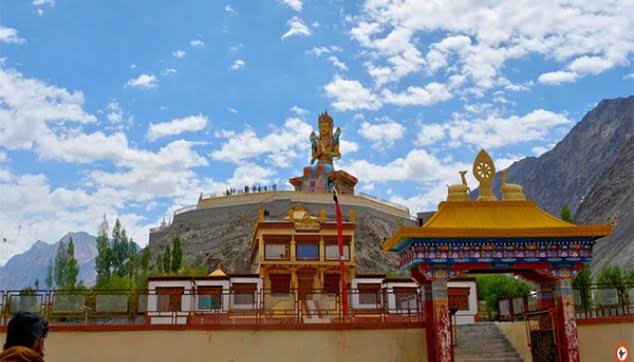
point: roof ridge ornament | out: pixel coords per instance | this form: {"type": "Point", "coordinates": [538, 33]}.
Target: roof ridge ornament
{"type": "Point", "coordinates": [484, 172]}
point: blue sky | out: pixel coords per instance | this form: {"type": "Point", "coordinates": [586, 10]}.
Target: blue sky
{"type": "Point", "coordinates": [131, 109]}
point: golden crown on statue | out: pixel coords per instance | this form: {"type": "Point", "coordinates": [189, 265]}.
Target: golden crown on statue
{"type": "Point", "coordinates": [325, 118]}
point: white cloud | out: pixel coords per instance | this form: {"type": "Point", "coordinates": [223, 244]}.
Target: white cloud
{"type": "Point", "coordinates": [382, 134]}
{"type": "Point", "coordinates": [431, 94]}
{"type": "Point", "coordinates": [168, 71]}
{"type": "Point", "coordinates": [351, 95]}
{"type": "Point", "coordinates": [10, 36]}
{"type": "Point", "coordinates": [480, 38]}
{"type": "Point", "coordinates": [229, 9]}
{"type": "Point", "coordinates": [296, 27]}
{"type": "Point", "coordinates": [280, 146]}
{"type": "Point", "coordinates": [238, 64]}
{"type": "Point", "coordinates": [494, 131]}
{"type": "Point", "coordinates": [250, 174]}
{"type": "Point", "coordinates": [232, 110]}
{"type": "Point", "coordinates": [115, 113]}
{"type": "Point", "coordinates": [179, 53]}
{"type": "Point", "coordinates": [294, 4]}
{"type": "Point", "coordinates": [590, 65]}
{"type": "Point", "coordinates": [176, 127]}
{"type": "Point", "coordinates": [319, 51]}
{"type": "Point", "coordinates": [337, 63]}
{"type": "Point", "coordinates": [43, 2]}
{"type": "Point", "coordinates": [430, 134]}
{"type": "Point", "coordinates": [558, 77]}
{"type": "Point", "coordinates": [143, 81]}
{"type": "Point", "coordinates": [628, 76]}
{"type": "Point", "coordinates": [196, 43]}
{"type": "Point", "coordinates": [417, 166]}
{"type": "Point", "coordinates": [30, 105]}
{"type": "Point", "coordinates": [299, 111]}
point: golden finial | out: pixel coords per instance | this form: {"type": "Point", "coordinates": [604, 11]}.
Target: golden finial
{"type": "Point", "coordinates": [353, 216]}
{"type": "Point", "coordinates": [260, 214]}
{"type": "Point", "coordinates": [513, 192]}
{"type": "Point", "coordinates": [459, 192]}
{"type": "Point", "coordinates": [484, 172]}
{"type": "Point", "coordinates": [322, 215]}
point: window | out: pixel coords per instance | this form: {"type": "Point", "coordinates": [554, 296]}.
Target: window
{"type": "Point", "coordinates": [368, 293]}
{"type": "Point", "coordinates": [169, 299]}
{"type": "Point", "coordinates": [276, 251]}
{"type": "Point", "coordinates": [244, 293]}
{"type": "Point", "coordinates": [405, 298]}
{"type": "Point", "coordinates": [209, 298]}
{"type": "Point", "coordinates": [458, 298]}
{"type": "Point", "coordinates": [280, 283]}
{"type": "Point", "coordinates": [332, 252]}
{"type": "Point", "coordinates": [331, 283]}
{"type": "Point", "coordinates": [307, 252]}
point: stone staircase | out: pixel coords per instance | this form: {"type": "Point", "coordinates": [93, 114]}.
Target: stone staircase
{"type": "Point", "coordinates": [483, 342]}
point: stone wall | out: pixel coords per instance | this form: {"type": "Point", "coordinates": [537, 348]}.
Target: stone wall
{"type": "Point", "coordinates": [238, 345]}
{"type": "Point", "coordinates": [221, 234]}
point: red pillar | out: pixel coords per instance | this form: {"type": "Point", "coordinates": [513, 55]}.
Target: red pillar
{"type": "Point", "coordinates": [545, 295]}
{"type": "Point", "coordinates": [566, 319]}
{"type": "Point", "coordinates": [441, 318]}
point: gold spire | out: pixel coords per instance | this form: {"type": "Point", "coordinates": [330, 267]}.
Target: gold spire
{"type": "Point", "coordinates": [217, 273]}
{"type": "Point", "coordinates": [484, 172]}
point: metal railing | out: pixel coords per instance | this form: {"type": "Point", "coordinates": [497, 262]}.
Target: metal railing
{"type": "Point", "coordinates": [594, 301]}
{"type": "Point", "coordinates": [226, 308]}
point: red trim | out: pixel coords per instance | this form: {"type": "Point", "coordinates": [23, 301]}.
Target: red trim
{"type": "Point", "coordinates": [606, 320]}
{"type": "Point", "coordinates": [205, 327]}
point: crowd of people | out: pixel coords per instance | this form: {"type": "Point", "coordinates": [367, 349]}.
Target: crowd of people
{"type": "Point", "coordinates": [249, 190]}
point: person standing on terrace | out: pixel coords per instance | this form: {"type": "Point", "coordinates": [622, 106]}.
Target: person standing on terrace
{"type": "Point", "coordinates": [25, 338]}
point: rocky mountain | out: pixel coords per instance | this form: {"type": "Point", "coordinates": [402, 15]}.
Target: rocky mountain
{"type": "Point", "coordinates": [612, 198]}
{"type": "Point", "coordinates": [568, 172]}
{"type": "Point", "coordinates": [222, 236]}
{"type": "Point", "coordinates": [23, 269]}
{"type": "Point", "coordinates": [591, 169]}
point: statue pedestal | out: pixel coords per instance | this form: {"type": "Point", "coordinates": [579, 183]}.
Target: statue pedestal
{"type": "Point", "coordinates": [322, 178]}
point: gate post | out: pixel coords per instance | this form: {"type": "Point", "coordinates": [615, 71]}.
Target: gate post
{"type": "Point", "coordinates": [566, 319]}
{"type": "Point", "coordinates": [545, 295]}
{"type": "Point", "coordinates": [441, 318]}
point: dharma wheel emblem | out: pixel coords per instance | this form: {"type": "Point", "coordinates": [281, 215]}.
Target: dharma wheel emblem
{"type": "Point", "coordinates": [484, 172]}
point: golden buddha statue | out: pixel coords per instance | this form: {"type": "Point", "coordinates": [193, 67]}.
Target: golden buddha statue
{"type": "Point", "coordinates": [325, 148]}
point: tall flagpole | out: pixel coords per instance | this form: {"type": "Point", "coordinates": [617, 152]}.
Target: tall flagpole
{"type": "Point", "coordinates": [342, 267]}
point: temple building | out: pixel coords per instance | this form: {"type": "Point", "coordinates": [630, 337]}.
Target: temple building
{"type": "Point", "coordinates": [302, 252]}
{"type": "Point", "coordinates": [488, 235]}
{"type": "Point", "coordinates": [295, 259]}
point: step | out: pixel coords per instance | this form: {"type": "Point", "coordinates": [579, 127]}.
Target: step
{"type": "Point", "coordinates": [489, 360]}
{"type": "Point", "coordinates": [490, 355]}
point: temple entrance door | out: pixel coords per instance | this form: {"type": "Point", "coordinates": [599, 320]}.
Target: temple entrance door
{"type": "Point", "coordinates": [542, 336]}
{"type": "Point", "coordinates": [305, 283]}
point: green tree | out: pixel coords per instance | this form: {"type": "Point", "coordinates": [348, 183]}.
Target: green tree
{"type": "Point", "coordinates": [177, 255]}
{"type": "Point", "coordinates": [132, 260]}
{"type": "Point", "coordinates": [103, 259]}
{"type": "Point", "coordinates": [159, 262]}
{"type": "Point", "coordinates": [167, 259]}
{"type": "Point", "coordinates": [145, 259]}
{"type": "Point", "coordinates": [116, 259]}
{"type": "Point", "coordinates": [72, 266]}
{"type": "Point", "coordinates": [564, 213]}
{"type": "Point", "coordinates": [36, 285]}
{"type": "Point", "coordinates": [613, 277]}
{"type": "Point", "coordinates": [493, 287]}
{"type": "Point", "coordinates": [49, 276]}
{"type": "Point", "coordinates": [59, 270]}
{"type": "Point", "coordinates": [583, 283]}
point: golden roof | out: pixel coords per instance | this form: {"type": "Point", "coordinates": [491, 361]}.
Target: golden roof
{"type": "Point", "coordinates": [494, 219]}
{"type": "Point", "coordinates": [217, 273]}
